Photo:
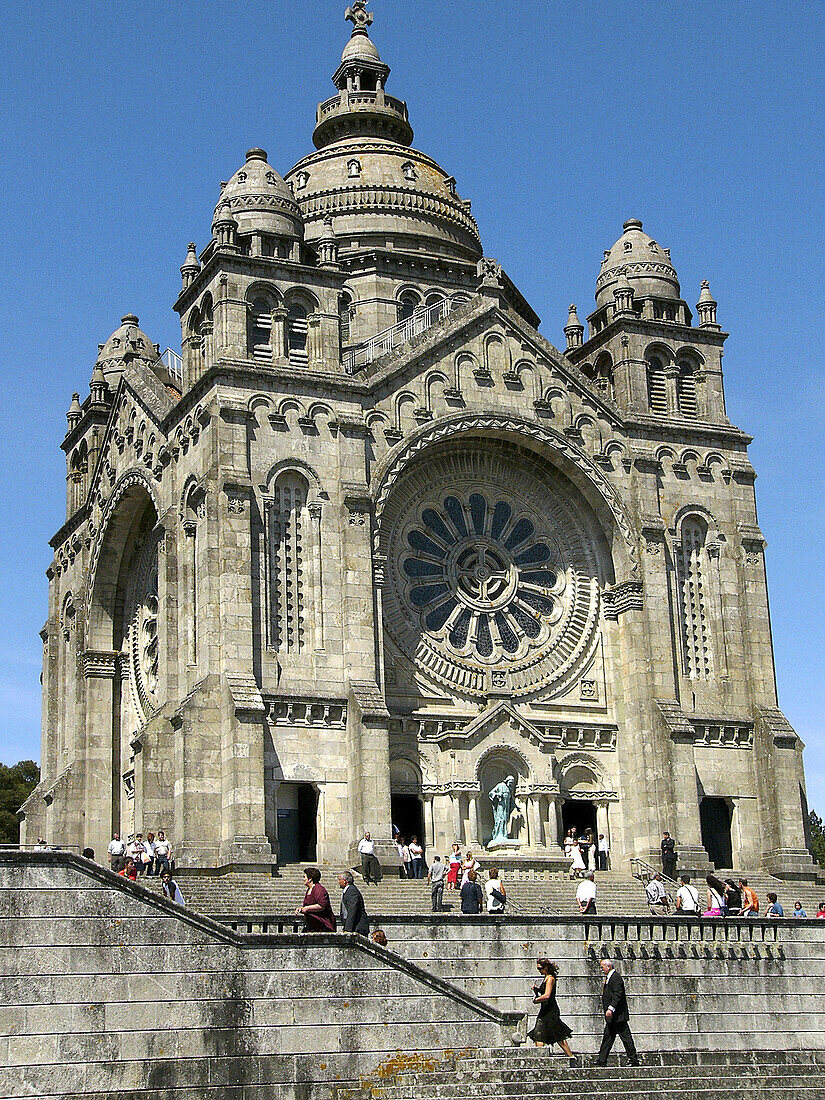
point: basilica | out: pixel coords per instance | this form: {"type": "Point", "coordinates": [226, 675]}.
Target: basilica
{"type": "Point", "coordinates": [371, 548]}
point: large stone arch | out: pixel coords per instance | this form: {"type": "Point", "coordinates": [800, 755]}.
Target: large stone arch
{"type": "Point", "coordinates": [123, 661]}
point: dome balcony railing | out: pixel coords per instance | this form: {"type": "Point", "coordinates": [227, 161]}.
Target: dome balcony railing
{"type": "Point", "coordinates": [348, 101]}
{"type": "Point", "coordinates": [396, 335]}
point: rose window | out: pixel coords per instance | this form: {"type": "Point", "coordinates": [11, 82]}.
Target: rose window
{"type": "Point", "coordinates": [492, 575]}
{"type": "Point", "coordinates": [482, 578]}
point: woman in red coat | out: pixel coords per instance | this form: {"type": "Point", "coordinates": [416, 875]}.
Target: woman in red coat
{"type": "Point", "coordinates": [316, 910]}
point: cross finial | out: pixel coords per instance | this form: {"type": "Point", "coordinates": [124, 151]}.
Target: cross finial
{"type": "Point", "coordinates": [359, 16]}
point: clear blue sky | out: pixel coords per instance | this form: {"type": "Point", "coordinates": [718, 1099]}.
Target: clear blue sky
{"type": "Point", "coordinates": [559, 121]}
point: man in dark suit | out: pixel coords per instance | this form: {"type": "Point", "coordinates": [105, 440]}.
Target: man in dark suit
{"type": "Point", "coordinates": [668, 855]}
{"type": "Point", "coordinates": [353, 911]}
{"type": "Point", "coordinates": [616, 1015]}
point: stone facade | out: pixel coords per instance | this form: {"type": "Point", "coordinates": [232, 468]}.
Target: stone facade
{"type": "Point", "coordinates": [373, 545]}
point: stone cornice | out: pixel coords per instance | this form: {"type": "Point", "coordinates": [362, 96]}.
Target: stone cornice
{"type": "Point", "coordinates": [262, 266]}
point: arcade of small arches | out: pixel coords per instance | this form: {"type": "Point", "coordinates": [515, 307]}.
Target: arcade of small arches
{"type": "Point", "coordinates": [459, 809]}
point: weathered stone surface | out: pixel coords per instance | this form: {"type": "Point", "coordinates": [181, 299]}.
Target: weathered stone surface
{"type": "Point", "coordinates": [377, 545]}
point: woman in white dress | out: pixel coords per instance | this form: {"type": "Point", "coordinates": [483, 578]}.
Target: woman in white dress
{"type": "Point", "coordinates": [573, 853]}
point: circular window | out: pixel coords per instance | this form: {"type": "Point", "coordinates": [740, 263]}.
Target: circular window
{"type": "Point", "coordinates": [490, 572]}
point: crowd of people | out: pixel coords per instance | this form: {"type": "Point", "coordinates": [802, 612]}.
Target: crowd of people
{"type": "Point", "coordinates": [724, 898]}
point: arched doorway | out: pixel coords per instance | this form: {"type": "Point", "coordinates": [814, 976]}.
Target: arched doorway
{"type": "Point", "coordinates": [715, 821]}
{"type": "Point", "coordinates": [297, 815]}
{"type": "Point", "coordinates": [125, 615]}
{"type": "Point", "coordinates": [578, 814]}
{"type": "Point", "coordinates": [405, 800]}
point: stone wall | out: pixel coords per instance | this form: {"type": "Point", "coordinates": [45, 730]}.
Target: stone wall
{"type": "Point", "coordinates": [109, 990]}
{"type": "Point", "coordinates": [739, 984]}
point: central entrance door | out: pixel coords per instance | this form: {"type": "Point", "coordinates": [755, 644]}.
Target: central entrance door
{"type": "Point", "coordinates": [577, 814]}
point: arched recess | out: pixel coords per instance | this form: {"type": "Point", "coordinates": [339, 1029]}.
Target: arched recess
{"type": "Point", "coordinates": [293, 563]}
{"type": "Point", "coordinates": [498, 764]}
{"type": "Point", "coordinates": [127, 646]}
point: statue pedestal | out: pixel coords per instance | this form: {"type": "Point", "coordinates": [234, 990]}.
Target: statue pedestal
{"type": "Point", "coordinates": [504, 846]}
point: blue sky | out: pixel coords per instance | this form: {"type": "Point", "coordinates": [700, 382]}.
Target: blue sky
{"type": "Point", "coordinates": [559, 121]}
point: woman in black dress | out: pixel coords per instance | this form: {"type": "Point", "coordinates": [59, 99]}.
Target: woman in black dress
{"type": "Point", "coordinates": [549, 1027]}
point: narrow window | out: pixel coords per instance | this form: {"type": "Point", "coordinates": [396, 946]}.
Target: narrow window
{"type": "Point", "coordinates": [297, 334]}
{"type": "Point", "coordinates": [656, 387]}
{"type": "Point", "coordinates": [259, 327]}
{"type": "Point", "coordinates": [693, 592]}
{"type": "Point", "coordinates": [345, 315]}
{"type": "Point", "coordinates": [407, 304]}
{"type": "Point", "coordinates": [686, 390]}
{"type": "Point", "coordinates": [286, 564]}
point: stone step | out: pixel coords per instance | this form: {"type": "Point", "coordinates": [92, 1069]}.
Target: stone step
{"type": "Point", "coordinates": [618, 1084]}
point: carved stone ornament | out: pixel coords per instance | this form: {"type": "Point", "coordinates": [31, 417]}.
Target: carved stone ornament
{"type": "Point", "coordinates": [235, 504]}
{"type": "Point", "coordinates": [142, 606]}
{"type": "Point", "coordinates": [588, 690]}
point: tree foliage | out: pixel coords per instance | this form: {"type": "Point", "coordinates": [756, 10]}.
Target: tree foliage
{"type": "Point", "coordinates": [16, 784]}
{"type": "Point", "coordinates": [817, 835]}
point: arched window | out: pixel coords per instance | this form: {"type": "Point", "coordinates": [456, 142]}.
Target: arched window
{"type": "Point", "coordinates": [686, 389]}
{"type": "Point", "coordinates": [297, 334]}
{"type": "Point", "coordinates": [603, 374]}
{"type": "Point", "coordinates": [195, 345]}
{"type": "Point", "coordinates": [259, 329]}
{"type": "Point", "coordinates": [656, 386]}
{"type": "Point", "coordinates": [692, 574]}
{"type": "Point", "coordinates": [433, 298]}
{"type": "Point", "coordinates": [287, 567]}
{"type": "Point", "coordinates": [408, 303]}
{"type": "Point", "coordinates": [345, 315]}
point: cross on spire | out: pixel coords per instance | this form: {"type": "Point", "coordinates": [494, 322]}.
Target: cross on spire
{"type": "Point", "coordinates": [359, 16]}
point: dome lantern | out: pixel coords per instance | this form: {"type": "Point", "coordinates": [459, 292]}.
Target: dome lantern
{"type": "Point", "coordinates": [361, 107]}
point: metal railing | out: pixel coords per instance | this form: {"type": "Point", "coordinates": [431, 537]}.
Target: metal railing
{"type": "Point", "coordinates": [397, 334]}
{"type": "Point", "coordinates": [173, 364]}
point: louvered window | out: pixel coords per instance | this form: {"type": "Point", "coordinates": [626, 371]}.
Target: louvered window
{"type": "Point", "coordinates": [686, 391]}
{"type": "Point", "coordinates": [286, 564]}
{"type": "Point", "coordinates": [656, 387]}
{"type": "Point", "coordinates": [693, 586]}
{"type": "Point", "coordinates": [259, 325]}
{"type": "Point", "coordinates": [345, 316]}
{"type": "Point", "coordinates": [297, 335]}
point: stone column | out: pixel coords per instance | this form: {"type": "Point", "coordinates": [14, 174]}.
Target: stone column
{"type": "Point", "coordinates": [671, 377]}
{"type": "Point", "coordinates": [314, 509]}
{"type": "Point", "coordinates": [429, 821]}
{"type": "Point", "coordinates": [101, 751]}
{"type": "Point", "coordinates": [207, 344]}
{"type": "Point", "coordinates": [603, 827]}
{"type": "Point", "coordinates": [472, 823]}
{"type": "Point", "coordinates": [534, 839]}
{"type": "Point", "coordinates": [277, 336]}
{"type": "Point", "coordinates": [243, 827]}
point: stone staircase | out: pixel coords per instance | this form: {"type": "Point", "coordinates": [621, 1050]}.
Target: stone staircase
{"type": "Point", "coordinates": [259, 896]}
{"type": "Point", "coordinates": [519, 1075]}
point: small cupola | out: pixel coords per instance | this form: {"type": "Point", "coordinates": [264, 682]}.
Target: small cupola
{"type": "Point", "coordinates": [259, 201]}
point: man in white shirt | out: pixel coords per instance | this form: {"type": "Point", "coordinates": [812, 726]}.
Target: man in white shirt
{"type": "Point", "coordinates": [163, 854]}
{"type": "Point", "coordinates": [117, 853]}
{"type": "Point", "coordinates": [657, 896]}
{"type": "Point", "coordinates": [604, 852]}
{"type": "Point", "coordinates": [586, 895]}
{"type": "Point", "coordinates": [494, 886]}
{"type": "Point", "coordinates": [687, 897]}
{"type": "Point", "coordinates": [370, 867]}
